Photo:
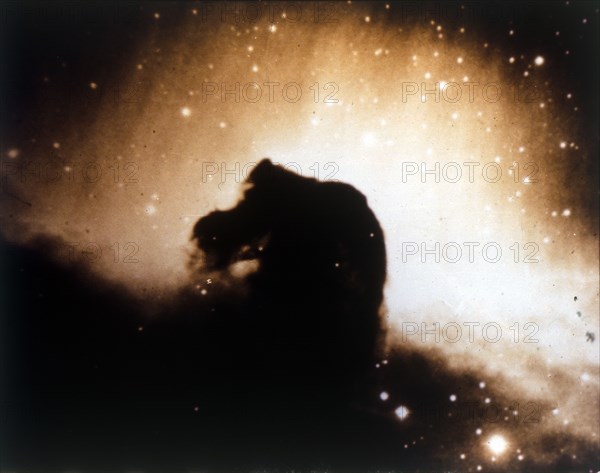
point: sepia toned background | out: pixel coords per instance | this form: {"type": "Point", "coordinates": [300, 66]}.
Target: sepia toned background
{"type": "Point", "coordinates": [465, 124]}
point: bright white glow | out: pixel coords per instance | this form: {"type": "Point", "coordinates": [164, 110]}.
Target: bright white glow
{"type": "Point", "coordinates": [497, 444]}
{"type": "Point", "coordinates": [186, 112]}
{"type": "Point", "coordinates": [585, 377]}
{"type": "Point", "coordinates": [402, 412]}
{"type": "Point", "coordinates": [384, 396]}
{"type": "Point", "coordinates": [369, 139]}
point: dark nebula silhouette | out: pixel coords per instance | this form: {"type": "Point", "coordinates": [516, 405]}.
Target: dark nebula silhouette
{"type": "Point", "coordinates": [285, 374]}
{"type": "Point", "coordinates": [313, 304]}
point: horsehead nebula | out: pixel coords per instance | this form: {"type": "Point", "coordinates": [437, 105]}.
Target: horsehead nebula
{"type": "Point", "coordinates": [470, 129]}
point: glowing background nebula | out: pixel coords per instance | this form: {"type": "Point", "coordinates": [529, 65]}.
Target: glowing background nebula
{"type": "Point", "coordinates": [182, 152]}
